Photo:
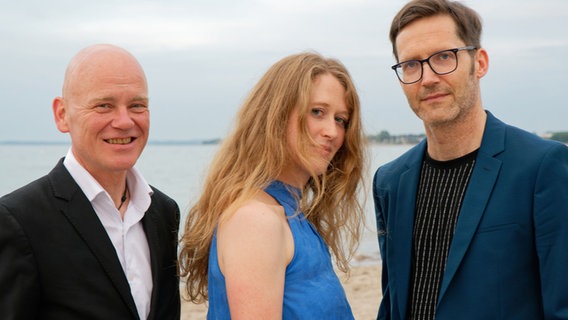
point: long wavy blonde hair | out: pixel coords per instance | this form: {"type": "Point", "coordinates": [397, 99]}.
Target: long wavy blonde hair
{"type": "Point", "coordinates": [255, 154]}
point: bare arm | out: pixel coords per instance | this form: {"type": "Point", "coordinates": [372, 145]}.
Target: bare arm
{"type": "Point", "coordinates": [254, 247]}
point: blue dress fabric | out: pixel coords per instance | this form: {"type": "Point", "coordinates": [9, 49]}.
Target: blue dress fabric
{"type": "Point", "coordinates": [311, 289]}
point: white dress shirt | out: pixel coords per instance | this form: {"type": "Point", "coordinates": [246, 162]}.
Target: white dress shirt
{"type": "Point", "coordinates": [127, 236]}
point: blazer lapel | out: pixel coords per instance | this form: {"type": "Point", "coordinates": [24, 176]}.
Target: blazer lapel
{"type": "Point", "coordinates": [404, 226]}
{"type": "Point", "coordinates": [478, 192]}
{"type": "Point", "coordinates": [150, 224]}
{"type": "Point", "coordinates": [79, 212]}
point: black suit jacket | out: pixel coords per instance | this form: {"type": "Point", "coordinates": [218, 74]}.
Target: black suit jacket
{"type": "Point", "coordinates": [57, 261]}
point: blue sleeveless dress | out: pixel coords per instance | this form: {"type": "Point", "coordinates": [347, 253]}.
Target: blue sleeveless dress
{"type": "Point", "coordinates": [311, 289]}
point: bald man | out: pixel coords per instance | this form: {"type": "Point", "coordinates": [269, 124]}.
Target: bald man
{"type": "Point", "coordinates": [91, 239]}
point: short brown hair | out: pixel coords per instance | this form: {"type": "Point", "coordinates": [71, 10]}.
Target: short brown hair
{"type": "Point", "coordinates": [468, 22]}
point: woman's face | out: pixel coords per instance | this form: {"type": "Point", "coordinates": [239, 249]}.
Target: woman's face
{"type": "Point", "coordinates": [326, 121]}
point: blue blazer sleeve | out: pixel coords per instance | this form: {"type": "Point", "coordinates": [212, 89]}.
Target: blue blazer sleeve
{"type": "Point", "coordinates": [551, 231]}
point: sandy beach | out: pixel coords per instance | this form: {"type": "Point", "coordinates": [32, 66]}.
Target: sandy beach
{"type": "Point", "coordinates": [362, 288]}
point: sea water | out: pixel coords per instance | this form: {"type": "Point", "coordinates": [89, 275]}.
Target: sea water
{"type": "Point", "coordinates": [177, 170]}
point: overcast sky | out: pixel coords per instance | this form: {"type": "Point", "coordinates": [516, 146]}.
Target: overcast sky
{"type": "Point", "coordinates": [201, 58]}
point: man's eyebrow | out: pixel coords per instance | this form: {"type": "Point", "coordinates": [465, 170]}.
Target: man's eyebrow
{"type": "Point", "coordinates": [111, 99]}
{"type": "Point", "coordinates": [140, 98]}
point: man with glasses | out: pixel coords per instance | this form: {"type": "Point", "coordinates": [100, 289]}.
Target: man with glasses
{"type": "Point", "coordinates": [472, 221]}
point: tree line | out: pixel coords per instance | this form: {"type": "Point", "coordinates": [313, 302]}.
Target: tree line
{"type": "Point", "coordinates": [386, 138]}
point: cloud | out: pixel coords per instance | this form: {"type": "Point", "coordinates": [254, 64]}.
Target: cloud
{"type": "Point", "coordinates": [203, 56]}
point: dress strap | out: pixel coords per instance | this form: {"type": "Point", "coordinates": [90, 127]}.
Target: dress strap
{"type": "Point", "coordinates": [284, 193]}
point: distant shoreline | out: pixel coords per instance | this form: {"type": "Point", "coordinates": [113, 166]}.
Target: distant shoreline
{"type": "Point", "coordinates": [158, 142]}
{"type": "Point", "coordinates": [381, 139]}
{"type": "Point", "coordinates": [163, 143]}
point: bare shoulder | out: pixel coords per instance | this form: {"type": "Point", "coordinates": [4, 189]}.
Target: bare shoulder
{"type": "Point", "coordinates": [258, 230]}
{"type": "Point", "coordinates": [262, 211]}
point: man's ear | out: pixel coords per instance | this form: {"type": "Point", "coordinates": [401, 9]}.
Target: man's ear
{"type": "Point", "coordinates": [482, 62]}
{"type": "Point", "coordinates": [59, 114]}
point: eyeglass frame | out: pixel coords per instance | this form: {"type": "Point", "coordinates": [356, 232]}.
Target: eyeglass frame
{"type": "Point", "coordinates": [427, 60]}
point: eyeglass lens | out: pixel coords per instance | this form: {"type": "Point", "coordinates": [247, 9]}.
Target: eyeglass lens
{"type": "Point", "coordinates": [441, 63]}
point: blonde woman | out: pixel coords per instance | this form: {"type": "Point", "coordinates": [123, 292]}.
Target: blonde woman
{"type": "Point", "coordinates": [281, 194]}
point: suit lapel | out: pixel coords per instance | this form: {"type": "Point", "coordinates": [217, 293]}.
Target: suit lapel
{"type": "Point", "coordinates": [404, 226]}
{"type": "Point", "coordinates": [80, 213]}
{"type": "Point", "coordinates": [149, 223]}
{"type": "Point", "coordinates": [477, 196]}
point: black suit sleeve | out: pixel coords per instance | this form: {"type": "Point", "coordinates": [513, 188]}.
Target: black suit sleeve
{"type": "Point", "coordinates": [19, 283]}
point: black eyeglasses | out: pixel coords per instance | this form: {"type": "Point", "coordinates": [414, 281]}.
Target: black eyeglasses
{"type": "Point", "coordinates": [442, 62]}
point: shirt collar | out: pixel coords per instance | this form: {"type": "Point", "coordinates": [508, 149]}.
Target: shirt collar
{"type": "Point", "coordinates": [140, 191]}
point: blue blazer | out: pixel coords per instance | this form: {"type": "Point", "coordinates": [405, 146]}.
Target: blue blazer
{"type": "Point", "coordinates": [509, 255]}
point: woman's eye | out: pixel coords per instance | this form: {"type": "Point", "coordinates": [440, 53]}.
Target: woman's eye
{"type": "Point", "coordinates": [317, 112]}
{"type": "Point", "coordinates": [342, 121]}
